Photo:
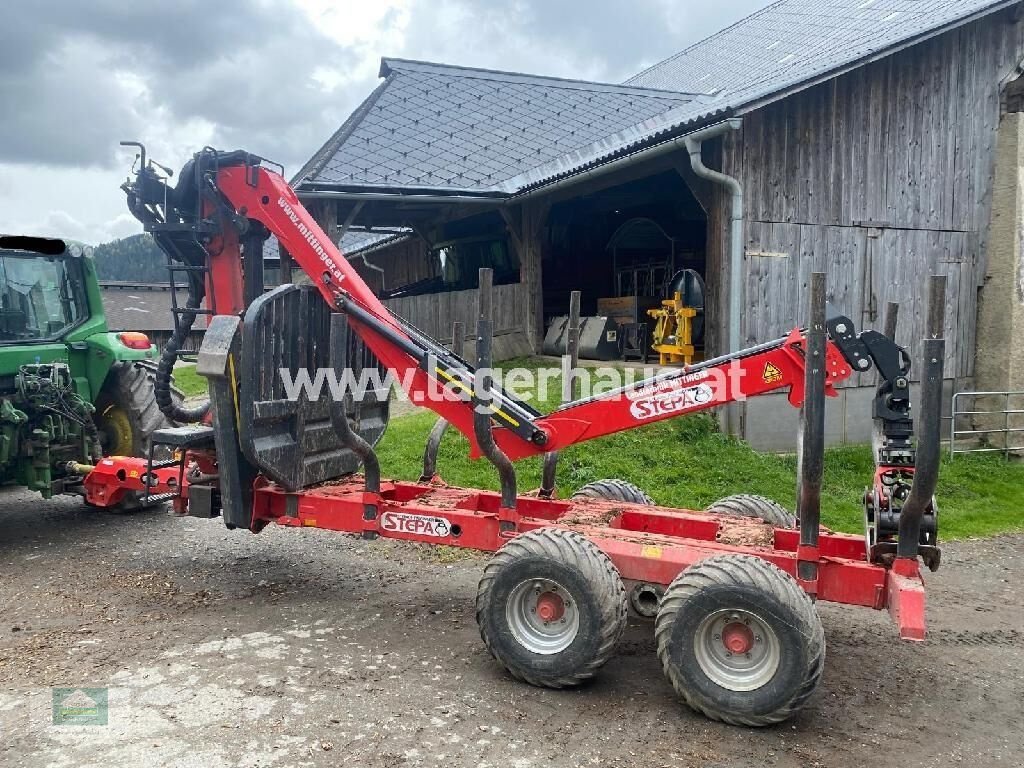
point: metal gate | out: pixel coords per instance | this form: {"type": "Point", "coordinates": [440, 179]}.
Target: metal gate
{"type": "Point", "coordinates": [1007, 422]}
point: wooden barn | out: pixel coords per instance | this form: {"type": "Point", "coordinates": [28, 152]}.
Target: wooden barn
{"type": "Point", "coordinates": [877, 140]}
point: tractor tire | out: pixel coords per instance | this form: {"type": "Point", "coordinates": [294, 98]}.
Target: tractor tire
{"type": "Point", "coordinates": [614, 490]}
{"type": "Point", "coordinates": [740, 641]}
{"type": "Point", "coordinates": [126, 410]}
{"type": "Point", "coordinates": [551, 607]}
{"type": "Point", "coordinates": [127, 414]}
{"type": "Point", "coordinates": [748, 505]}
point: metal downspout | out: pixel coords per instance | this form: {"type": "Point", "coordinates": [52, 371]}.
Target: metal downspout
{"type": "Point", "coordinates": [694, 142]}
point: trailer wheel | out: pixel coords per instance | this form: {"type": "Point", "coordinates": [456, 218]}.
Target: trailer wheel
{"type": "Point", "coordinates": [740, 641]}
{"type": "Point", "coordinates": [749, 505]}
{"type": "Point", "coordinates": [614, 490]}
{"type": "Point", "coordinates": [551, 607]}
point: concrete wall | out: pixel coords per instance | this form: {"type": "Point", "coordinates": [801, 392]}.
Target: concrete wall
{"type": "Point", "coordinates": [770, 422]}
{"type": "Point", "coordinates": [1000, 362]}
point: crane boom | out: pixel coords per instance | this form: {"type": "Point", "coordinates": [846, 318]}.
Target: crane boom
{"type": "Point", "coordinates": [240, 195]}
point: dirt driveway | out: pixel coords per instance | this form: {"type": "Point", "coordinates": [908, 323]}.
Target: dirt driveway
{"type": "Point", "coordinates": [300, 648]}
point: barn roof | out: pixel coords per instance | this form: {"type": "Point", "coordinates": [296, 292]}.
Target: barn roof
{"type": "Point", "coordinates": [439, 127]}
{"type": "Point", "coordinates": [353, 243]}
{"type": "Point", "coordinates": [138, 306]}
{"type": "Point", "coordinates": [445, 129]}
{"type": "Point", "coordinates": [793, 41]}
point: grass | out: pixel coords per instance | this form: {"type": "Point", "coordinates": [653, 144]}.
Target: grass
{"type": "Point", "coordinates": [687, 463]}
{"type": "Point", "coordinates": [188, 381]}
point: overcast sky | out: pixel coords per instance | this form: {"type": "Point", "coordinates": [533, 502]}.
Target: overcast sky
{"type": "Point", "coordinates": [274, 78]}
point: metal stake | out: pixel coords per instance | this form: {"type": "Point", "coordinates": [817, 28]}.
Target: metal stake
{"type": "Point", "coordinates": [811, 446]}
{"type": "Point", "coordinates": [352, 440]}
{"type": "Point", "coordinates": [441, 425]}
{"type": "Point", "coordinates": [483, 403]}
{"type": "Point", "coordinates": [926, 465]}
{"type": "Point", "coordinates": [570, 360]}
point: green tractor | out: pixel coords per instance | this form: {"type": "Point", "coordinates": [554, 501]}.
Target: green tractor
{"type": "Point", "coordinates": [71, 391]}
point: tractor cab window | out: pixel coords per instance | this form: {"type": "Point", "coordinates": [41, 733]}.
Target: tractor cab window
{"type": "Point", "coordinates": [40, 297]}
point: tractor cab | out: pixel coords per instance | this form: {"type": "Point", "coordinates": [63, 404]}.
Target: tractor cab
{"type": "Point", "coordinates": [70, 390]}
{"type": "Point", "coordinates": [41, 296]}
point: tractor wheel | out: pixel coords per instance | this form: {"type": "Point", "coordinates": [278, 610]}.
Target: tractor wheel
{"type": "Point", "coordinates": [126, 410]}
{"type": "Point", "coordinates": [614, 490]}
{"type": "Point", "coordinates": [740, 641]}
{"type": "Point", "coordinates": [551, 607]}
{"type": "Point", "coordinates": [127, 414]}
{"type": "Point", "coordinates": [748, 505]}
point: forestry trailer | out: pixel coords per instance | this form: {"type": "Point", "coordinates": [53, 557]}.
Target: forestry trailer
{"type": "Point", "coordinates": [731, 588]}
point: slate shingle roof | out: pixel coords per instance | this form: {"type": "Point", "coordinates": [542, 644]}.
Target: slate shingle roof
{"type": "Point", "coordinates": [354, 242]}
{"type": "Point", "coordinates": [436, 127]}
{"type": "Point", "coordinates": [432, 126]}
{"type": "Point", "coordinates": [137, 307]}
{"type": "Point", "coordinates": [792, 41]}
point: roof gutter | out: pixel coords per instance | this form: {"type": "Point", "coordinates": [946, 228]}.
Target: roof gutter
{"type": "Point", "coordinates": [694, 143]}
{"type": "Point", "coordinates": [398, 197]}
{"type": "Point", "coordinates": [656, 150]}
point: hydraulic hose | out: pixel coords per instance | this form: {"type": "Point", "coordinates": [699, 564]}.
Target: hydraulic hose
{"type": "Point", "coordinates": [144, 197]}
{"type": "Point", "coordinates": [81, 410]}
{"type": "Point", "coordinates": [169, 356]}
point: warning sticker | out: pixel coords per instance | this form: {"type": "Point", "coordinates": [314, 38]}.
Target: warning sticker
{"type": "Point", "coordinates": [419, 525]}
{"type": "Point", "coordinates": [771, 373]}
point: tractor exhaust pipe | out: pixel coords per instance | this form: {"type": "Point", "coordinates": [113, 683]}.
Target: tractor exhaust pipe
{"type": "Point", "coordinates": [926, 465]}
{"type": "Point", "coordinates": [811, 441]}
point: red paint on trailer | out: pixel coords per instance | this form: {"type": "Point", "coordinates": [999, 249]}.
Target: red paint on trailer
{"type": "Point", "coordinates": [646, 543]}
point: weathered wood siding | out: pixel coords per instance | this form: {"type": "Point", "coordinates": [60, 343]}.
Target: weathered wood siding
{"type": "Point", "coordinates": [434, 314]}
{"type": "Point", "coordinates": [404, 263]}
{"type": "Point", "coordinates": [881, 177]}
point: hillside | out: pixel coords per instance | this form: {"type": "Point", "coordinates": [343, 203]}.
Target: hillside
{"type": "Point", "coordinates": [134, 258]}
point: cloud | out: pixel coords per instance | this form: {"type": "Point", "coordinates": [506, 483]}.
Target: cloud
{"type": "Point", "coordinates": [276, 78]}
{"type": "Point", "coordinates": [77, 76]}
{"type": "Point", "coordinates": [583, 39]}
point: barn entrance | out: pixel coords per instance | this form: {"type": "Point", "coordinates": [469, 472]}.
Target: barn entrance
{"type": "Point", "coordinates": [623, 247]}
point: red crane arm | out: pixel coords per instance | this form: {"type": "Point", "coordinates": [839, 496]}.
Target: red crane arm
{"type": "Point", "coordinates": [261, 194]}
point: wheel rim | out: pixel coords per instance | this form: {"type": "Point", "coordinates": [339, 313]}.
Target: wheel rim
{"type": "Point", "coordinates": [543, 616]}
{"type": "Point", "coordinates": [737, 649]}
{"type": "Point", "coordinates": [115, 430]}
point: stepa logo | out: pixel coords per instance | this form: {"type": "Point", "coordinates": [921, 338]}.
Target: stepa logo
{"type": "Point", "coordinates": [79, 706]}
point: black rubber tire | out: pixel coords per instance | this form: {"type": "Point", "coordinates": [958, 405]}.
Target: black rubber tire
{"type": "Point", "coordinates": [741, 582]}
{"type": "Point", "coordinates": [586, 573]}
{"type": "Point", "coordinates": [614, 490]}
{"type": "Point", "coordinates": [749, 505]}
{"type": "Point", "coordinates": [127, 415]}
{"type": "Point", "coordinates": [129, 388]}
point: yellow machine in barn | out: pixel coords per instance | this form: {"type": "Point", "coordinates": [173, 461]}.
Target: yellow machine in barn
{"type": "Point", "coordinates": [679, 321]}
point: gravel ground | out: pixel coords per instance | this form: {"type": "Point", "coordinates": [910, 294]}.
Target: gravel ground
{"type": "Point", "coordinates": [296, 648]}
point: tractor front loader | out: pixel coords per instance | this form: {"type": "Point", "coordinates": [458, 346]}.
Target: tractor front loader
{"type": "Point", "coordinates": [732, 588]}
{"type": "Point", "coordinates": [71, 392]}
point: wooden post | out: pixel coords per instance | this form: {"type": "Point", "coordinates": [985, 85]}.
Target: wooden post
{"type": "Point", "coordinates": [526, 230]}
{"type": "Point", "coordinates": [326, 215]}
{"type": "Point", "coordinates": [284, 275]}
